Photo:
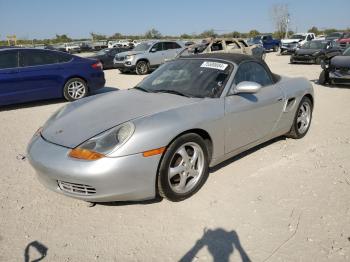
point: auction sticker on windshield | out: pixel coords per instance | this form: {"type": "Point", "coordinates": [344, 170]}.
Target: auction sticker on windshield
{"type": "Point", "coordinates": [214, 65]}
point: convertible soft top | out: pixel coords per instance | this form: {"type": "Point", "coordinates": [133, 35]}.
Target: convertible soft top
{"type": "Point", "coordinates": [237, 59]}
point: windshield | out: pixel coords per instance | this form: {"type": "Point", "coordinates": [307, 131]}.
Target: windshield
{"type": "Point", "coordinates": [102, 52]}
{"type": "Point", "coordinates": [301, 37]}
{"type": "Point", "coordinates": [347, 52]}
{"type": "Point", "coordinates": [314, 45]}
{"type": "Point", "coordinates": [189, 77]}
{"type": "Point", "coordinates": [142, 47]}
{"type": "Point", "coordinates": [335, 35]}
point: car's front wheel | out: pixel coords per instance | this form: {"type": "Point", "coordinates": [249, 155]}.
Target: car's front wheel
{"type": "Point", "coordinates": [302, 119]}
{"type": "Point", "coordinates": [142, 68]}
{"type": "Point", "coordinates": [184, 168]}
{"type": "Point", "coordinates": [74, 89]}
{"type": "Point", "coordinates": [275, 48]}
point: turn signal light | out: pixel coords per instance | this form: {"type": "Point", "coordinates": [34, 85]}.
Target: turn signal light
{"type": "Point", "coordinates": [85, 154]}
{"type": "Point", "coordinates": [154, 152]}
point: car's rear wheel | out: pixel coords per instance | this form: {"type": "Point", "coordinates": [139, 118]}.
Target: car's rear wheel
{"type": "Point", "coordinates": [184, 168]}
{"type": "Point", "coordinates": [302, 119]}
{"type": "Point", "coordinates": [275, 48]}
{"type": "Point", "coordinates": [142, 68]}
{"type": "Point", "coordinates": [74, 89]}
{"type": "Point", "coordinates": [318, 60]}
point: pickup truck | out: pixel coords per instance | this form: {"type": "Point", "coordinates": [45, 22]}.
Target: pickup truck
{"type": "Point", "coordinates": [291, 44]}
{"type": "Point", "coordinates": [267, 42]}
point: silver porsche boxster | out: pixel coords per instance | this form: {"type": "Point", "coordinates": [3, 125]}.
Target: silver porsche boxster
{"type": "Point", "coordinates": [161, 137]}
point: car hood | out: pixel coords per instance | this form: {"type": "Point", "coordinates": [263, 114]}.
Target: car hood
{"type": "Point", "coordinates": [129, 53]}
{"type": "Point", "coordinates": [340, 61]}
{"type": "Point", "coordinates": [305, 51]}
{"type": "Point", "coordinates": [344, 40]}
{"type": "Point", "coordinates": [83, 119]}
{"type": "Point", "coordinates": [289, 41]}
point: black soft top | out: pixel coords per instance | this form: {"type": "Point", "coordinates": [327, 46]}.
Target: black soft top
{"type": "Point", "coordinates": [237, 59]}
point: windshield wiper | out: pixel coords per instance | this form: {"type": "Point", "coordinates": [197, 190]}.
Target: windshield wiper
{"type": "Point", "coordinates": [171, 92]}
{"type": "Point", "coordinates": [141, 89]}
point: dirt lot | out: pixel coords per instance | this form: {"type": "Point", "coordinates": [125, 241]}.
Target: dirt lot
{"type": "Point", "coordinates": [287, 200]}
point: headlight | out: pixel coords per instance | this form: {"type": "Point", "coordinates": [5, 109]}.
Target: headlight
{"type": "Point", "coordinates": [129, 57]}
{"type": "Point", "coordinates": [105, 143]}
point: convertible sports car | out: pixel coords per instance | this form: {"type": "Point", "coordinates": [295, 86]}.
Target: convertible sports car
{"type": "Point", "coordinates": [162, 136]}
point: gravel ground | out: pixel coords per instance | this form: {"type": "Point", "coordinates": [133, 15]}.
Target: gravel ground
{"type": "Point", "coordinates": [287, 200]}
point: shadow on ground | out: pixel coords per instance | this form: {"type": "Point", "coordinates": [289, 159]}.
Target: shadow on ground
{"type": "Point", "coordinates": [220, 244]}
{"type": "Point", "coordinates": [39, 248]}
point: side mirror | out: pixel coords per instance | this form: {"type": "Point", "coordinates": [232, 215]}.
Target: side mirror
{"type": "Point", "coordinates": [153, 50]}
{"type": "Point", "coordinates": [247, 87]}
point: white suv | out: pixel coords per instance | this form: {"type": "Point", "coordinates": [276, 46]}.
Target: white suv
{"type": "Point", "coordinates": [147, 56]}
{"type": "Point", "coordinates": [295, 41]}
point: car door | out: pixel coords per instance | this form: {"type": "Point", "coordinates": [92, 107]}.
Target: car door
{"type": "Point", "coordinates": [40, 74]}
{"type": "Point", "coordinates": [267, 40]}
{"type": "Point", "coordinates": [251, 117]}
{"type": "Point", "coordinates": [9, 74]}
{"type": "Point", "coordinates": [156, 54]}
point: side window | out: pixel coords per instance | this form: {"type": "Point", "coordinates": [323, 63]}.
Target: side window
{"type": "Point", "coordinates": [158, 46]}
{"type": "Point", "coordinates": [63, 58]}
{"type": "Point", "coordinates": [254, 72]}
{"type": "Point", "coordinates": [309, 37]}
{"type": "Point", "coordinates": [37, 58]}
{"type": "Point", "coordinates": [217, 46]}
{"type": "Point", "coordinates": [171, 45]}
{"type": "Point", "coordinates": [8, 60]}
{"type": "Point", "coordinates": [232, 45]}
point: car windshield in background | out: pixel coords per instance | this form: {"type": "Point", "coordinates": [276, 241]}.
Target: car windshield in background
{"type": "Point", "coordinates": [314, 45]}
{"type": "Point", "coordinates": [301, 37]}
{"type": "Point", "coordinates": [194, 78]}
{"type": "Point", "coordinates": [335, 35]}
{"type": "Point", "coordinates": [102, 52]}
{"type": "Point", "coordinates": [142, 47]}
{"type": "Point", "coordinates": [347, 52]}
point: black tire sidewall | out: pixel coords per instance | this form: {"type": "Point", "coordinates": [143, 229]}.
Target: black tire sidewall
{"type": "Point", "coordinates": [163, 183]}
{"type": "Point", "coordinates": [65, 89]}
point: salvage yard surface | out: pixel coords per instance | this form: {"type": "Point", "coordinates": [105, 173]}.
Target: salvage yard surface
{"type": "Point", "coordinates": [287, 200]}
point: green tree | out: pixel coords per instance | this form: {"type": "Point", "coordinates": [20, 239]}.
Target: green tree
{"type": "Point", "coordinates": [208, 33]}
{"type": "Point", "coordinates": [153, 34]}
{"type": "Point", "coordinates": [314, 30]}
{"type": "Point", "coordinates": [96, 36]}
{"type": "Point", "coordinates": [253, 33]}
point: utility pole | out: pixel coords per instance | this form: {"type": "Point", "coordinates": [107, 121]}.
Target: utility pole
{"type": "Point", "coordinates": [287, 25]}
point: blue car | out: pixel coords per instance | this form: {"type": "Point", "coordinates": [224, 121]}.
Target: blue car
{"type": "Point", "coordinates": [32, 74]}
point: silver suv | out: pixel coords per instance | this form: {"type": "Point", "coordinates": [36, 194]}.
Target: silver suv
{"type": "Point", "coordinates": [147, 56]}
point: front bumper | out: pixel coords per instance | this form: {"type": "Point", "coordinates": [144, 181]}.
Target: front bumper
{"type": "Point", "coordinates": [127, 178]}
{"type": "Point", "coordinates": [125, 65]}
{"type": "Point", "coordinates": [340, 76]}
{"type": "Point", "coordinates": [288, 49]}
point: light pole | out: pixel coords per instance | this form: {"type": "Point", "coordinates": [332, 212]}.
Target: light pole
{"type": "Point", "coordinates": [287, 25]}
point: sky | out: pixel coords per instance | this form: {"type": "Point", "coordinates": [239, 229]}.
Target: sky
{"type": "Point", "coordinates": [77, 18]}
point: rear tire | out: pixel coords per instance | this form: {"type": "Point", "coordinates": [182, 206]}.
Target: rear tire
{"type": "Point", "coordinates": [302, 119]}
{"type": "Point", "coordinates": [322, 78]}
{"type": "Point", "coordinates": [74, 89]}
{"type": "Point", "coordinates": [275, 48]}
{"type": "Point", "coordinates": [318, 60]}
{"type": "Point", "coordinates": [184, 168]}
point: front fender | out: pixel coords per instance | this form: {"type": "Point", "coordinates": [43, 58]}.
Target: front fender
{"type": "Point", "coordinates": [160, 129]}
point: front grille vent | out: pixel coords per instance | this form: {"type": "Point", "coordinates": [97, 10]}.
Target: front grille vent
{"type": "Point", "coordinates": [77, 189]}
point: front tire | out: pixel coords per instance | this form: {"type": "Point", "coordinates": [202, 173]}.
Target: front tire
{"type": "Point", "coordinates": [302, 119]}
{"type": "Point", "coordinates": [142, 68]}
{"type": "Point", "coordinates": [184, 168]}
{"type": "Point", "coordinates": [74, 89]}
{"type": "Point", "coordinates": [275, 48]}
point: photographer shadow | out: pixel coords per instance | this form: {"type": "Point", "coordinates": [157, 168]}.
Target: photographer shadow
{"type": "Point", "coordinates": [220, 243]}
